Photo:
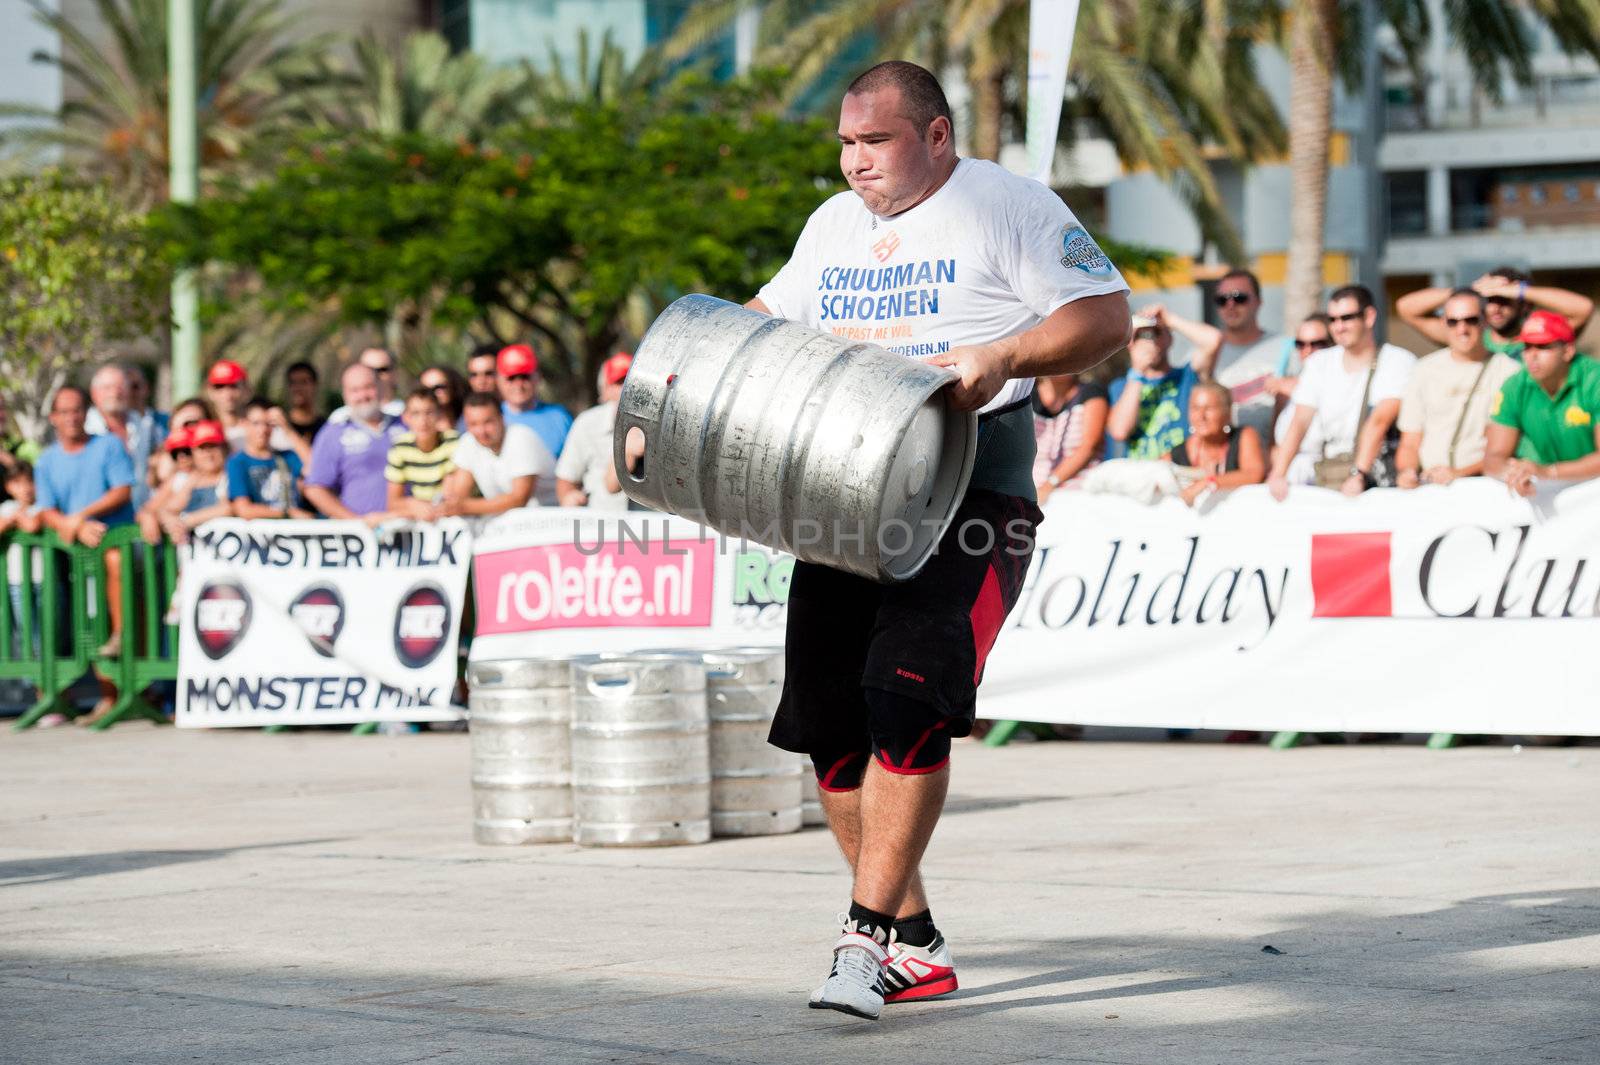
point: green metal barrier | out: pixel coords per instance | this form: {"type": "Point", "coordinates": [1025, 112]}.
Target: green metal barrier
{"type": "Point", "coordinates": [57, 637]}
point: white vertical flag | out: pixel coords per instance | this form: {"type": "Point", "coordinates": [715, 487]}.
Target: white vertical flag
{"type": "Point", "coordinates": [1050, 28]}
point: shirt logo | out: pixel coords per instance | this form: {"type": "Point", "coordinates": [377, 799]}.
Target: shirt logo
{"type": "Point", "coordinates": [1079, 250]}
{"type": "Point", "coordinates": [1578, 416]}
{"type": "Point", "coordinates": [886, 247]}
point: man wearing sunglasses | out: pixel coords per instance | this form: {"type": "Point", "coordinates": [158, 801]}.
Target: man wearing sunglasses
{"type": "Point", "coordinates": [1509, 295]}
{"type": "Point", "coordinates": [1346, 400]}
{"type": "Point", "coordinates": [1249, 361]}
{"type": "Point", "coordinates": [1445, 409]}
{"type": "Point", "coordinates": [517, 377]}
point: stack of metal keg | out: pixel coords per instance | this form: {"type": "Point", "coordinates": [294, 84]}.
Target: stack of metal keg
{"type": "Point", "coordinates": [652, 748]}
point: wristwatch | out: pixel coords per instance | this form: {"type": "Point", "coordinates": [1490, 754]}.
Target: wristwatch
{"type": "Point", "coordinates": [1365, 475]}
{"type": "Point", "coordinates": [1053, 481]}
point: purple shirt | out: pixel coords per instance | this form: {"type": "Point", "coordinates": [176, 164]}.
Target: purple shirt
{"type": "Point", "coordinates": [349, 458]}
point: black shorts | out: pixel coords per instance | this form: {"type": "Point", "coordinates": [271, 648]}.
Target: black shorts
{"type": "Point", "coordinates": [926, 638]}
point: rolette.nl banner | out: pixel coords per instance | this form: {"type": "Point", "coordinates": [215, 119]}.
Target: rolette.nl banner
{"type": "Point", "coordinates": [320, 622]}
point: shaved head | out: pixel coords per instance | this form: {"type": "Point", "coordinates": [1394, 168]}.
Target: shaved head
{"type": "Point", "coordinates": [921, 98]}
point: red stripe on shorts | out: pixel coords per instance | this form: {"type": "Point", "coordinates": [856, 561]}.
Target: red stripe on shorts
{"type": "Point", "coordinates": [987, 615]}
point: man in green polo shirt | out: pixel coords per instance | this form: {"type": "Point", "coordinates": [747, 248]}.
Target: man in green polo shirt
{"type": "Point", "coordinates": [1553, 406]}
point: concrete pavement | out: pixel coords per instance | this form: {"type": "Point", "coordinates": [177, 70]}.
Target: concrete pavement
{"type": "Point", "coordinates": [229, 897]}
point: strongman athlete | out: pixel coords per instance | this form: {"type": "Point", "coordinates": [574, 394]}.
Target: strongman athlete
{"type": "Point", "coordinates": [967, 266]}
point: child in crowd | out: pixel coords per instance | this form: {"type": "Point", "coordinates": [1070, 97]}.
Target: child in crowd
{"type": "Point", "coordinates": [264, 482]}
{"type": "Point", "coordinates": [419, 461]}
{"type": "Point", "coordinates": [201, 494]}
{"type": "Point", "coordinates": [20, 511]}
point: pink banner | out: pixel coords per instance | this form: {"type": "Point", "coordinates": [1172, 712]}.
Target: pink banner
{"type": "Point", "coordinates": [667, 583]}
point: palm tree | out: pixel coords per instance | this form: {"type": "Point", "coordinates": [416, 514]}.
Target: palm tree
{"type": "Point", "coordinates": [419, 87]}
{"type": "Point", "coordinates": [113, 121]}
{"type": "Point", "coordinates": [1167, 84]}
{"type": "Point", "coordinates": [1326, 37]}
{"type": "Point", "coordinates": [605, 77]}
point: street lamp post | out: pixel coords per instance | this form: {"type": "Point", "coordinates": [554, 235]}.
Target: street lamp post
{"type": "Point", "coordinates": [183, 160]}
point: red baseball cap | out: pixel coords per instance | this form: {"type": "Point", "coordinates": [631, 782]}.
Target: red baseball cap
{"type": "Point", "coordinates": [225, 372]}
{"type": "Point", "coordinates": [205, 433]}
{"type": "Point", "coordinates": [179, 439]}
{"type": "Point", "coordinates": [614, 369]}
{"type": "Point", "coordinates": [1546, 327]}
{"type": "Point", "coordinates": [515, 359]}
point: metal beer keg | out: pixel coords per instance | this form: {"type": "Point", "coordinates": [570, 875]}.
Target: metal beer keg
{"type": "Point", "coordinates": [755, 787]}
{"type": "Point", "coordinates": [837, 452]}
{"type": "Point", "coordinates": [521, 737]}
{"type": "Point", "coordinates": [641, 762]}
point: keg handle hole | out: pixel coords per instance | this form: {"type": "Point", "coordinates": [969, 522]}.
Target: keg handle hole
{"type": "Point", "coordinates": [633, 453]}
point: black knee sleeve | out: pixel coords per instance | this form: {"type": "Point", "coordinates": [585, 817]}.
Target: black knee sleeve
{"type": "Point", "coordinates": [909, 736]}
{"type": "Point", "coordinates": [839, 770]}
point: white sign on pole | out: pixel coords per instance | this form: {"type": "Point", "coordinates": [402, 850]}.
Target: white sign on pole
{"type": "Point", "coordinates": [320, 622]}
{"type": "Point", "coordinates": [1051, 25]}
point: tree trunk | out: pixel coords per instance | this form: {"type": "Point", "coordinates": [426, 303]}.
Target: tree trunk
{"type": "Point", "coordinates": [988, 99]}
{"type": "Point", "coordinates": [1313, 29]}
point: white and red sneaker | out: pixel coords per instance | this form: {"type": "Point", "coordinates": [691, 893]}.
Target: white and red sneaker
{"type": "Point", "coordinates": [855, 984]}
{"type": "Point", "coordinates": [918, 972]}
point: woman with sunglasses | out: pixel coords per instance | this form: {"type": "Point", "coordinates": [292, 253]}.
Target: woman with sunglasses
{"type": "Point", "coordinates": [449, 387]}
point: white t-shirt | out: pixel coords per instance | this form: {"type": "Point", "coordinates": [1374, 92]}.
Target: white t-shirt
{"type": "Point", "coordinates": [521, 454]}
{"type": "Point", "coordinates": [1244, 370]}
{"type": "Point", "coordinates": [586, 456]}
{"type": "Point", "coordinates": [1335, 393]}
{"type": "Point", "coordinates": [987, 256]}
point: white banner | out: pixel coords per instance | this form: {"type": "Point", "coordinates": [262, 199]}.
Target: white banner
{"type": "Point", "coordinates": [1459, 609]}
{"type": "Point", "coordinates": [1051, 25]}
{"type": "Point", "coordinates": [320, 622]}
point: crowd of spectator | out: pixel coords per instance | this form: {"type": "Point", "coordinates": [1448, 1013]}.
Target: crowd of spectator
{"type": "Point", "coordinates": [476, 444]}
{"type": "Point", "coordinates": [479, 444]}
{"type": "Point", "coordinates": [1507, 395]}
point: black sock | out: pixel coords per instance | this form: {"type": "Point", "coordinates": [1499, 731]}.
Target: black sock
{"type": "Point", "coordinates": [871, 922]}
{"type": "Point", "coordinates": [916, 930]}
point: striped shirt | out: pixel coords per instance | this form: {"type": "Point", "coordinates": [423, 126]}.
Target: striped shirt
{"type": "Point", "coordinates": [423, 472]}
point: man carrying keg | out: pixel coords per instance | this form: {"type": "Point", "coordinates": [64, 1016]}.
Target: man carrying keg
{"type": "Point", "coordinates": [968, 266]}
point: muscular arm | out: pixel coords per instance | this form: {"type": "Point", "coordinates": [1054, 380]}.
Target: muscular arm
{"type": "Point", "coordinates": [1417, 309]}
{"type": "Point", "coordinates": [1074, 338]}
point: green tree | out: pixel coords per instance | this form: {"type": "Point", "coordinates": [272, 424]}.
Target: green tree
{"type": "Point", "coordinates": [77, 271]}
{"type": "Point", "coordinates": [114, 118]}
{"type": "Point", "coordinates": [1497, 37]}
{"type": "Point", "coordinates": [571, 231]}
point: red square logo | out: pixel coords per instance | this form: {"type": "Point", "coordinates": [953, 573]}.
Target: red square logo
{"type": "Point", "coordinates": [1350, 575]}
